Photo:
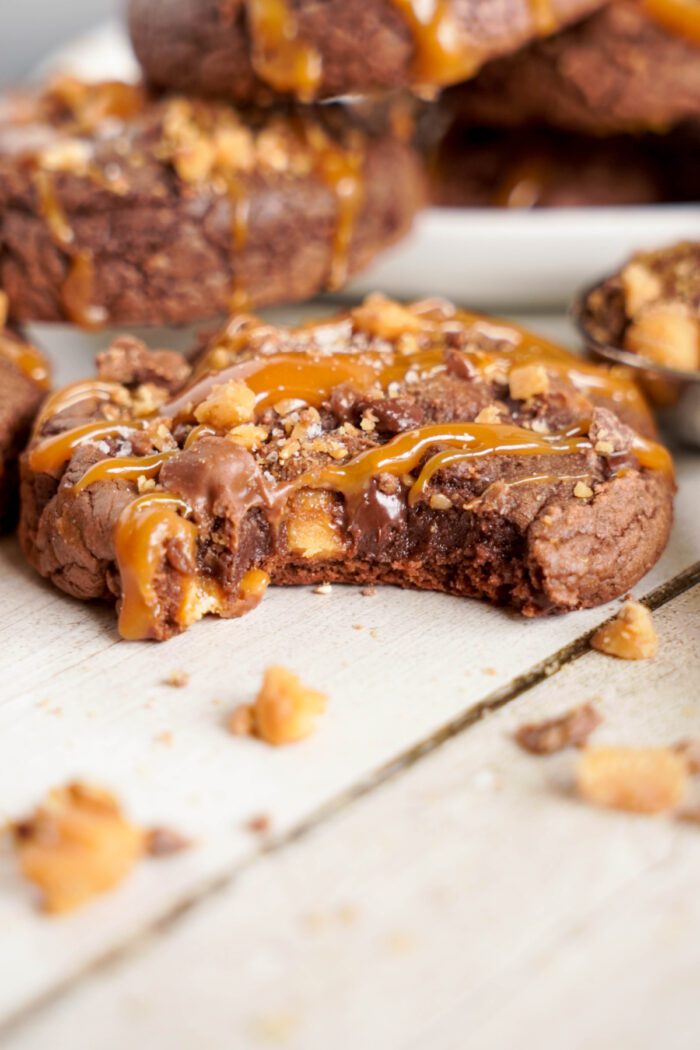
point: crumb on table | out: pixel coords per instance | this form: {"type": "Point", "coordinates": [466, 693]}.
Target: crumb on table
{"type": "Point", "coordinates": [630, 636]}
{"type": "Point", "coordinates": [283, 712]}
{"type": "Point", "coordinates": [637, 779]}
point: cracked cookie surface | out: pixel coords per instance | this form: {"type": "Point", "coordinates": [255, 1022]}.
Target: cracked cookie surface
{"type": "Point", "coordinates": [116, 208]}
{"type": "Point", "coordinates": [419, 445]}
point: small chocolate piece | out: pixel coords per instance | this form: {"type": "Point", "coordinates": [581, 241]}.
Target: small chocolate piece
{"type": "Point", "coordinates": [281, 459]}
{"type": "Point", "coordinates": [164, 842]}
{"type": "Point", "coordinates": [117, 208]}
{"type": "Point", "coordinates": [260, 49]}
{"type": "Point", "coordinates": [569, 730]}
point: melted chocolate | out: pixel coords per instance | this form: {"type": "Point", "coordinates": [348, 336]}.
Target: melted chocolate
{"type": "Point", "coordinates": [217, 479]}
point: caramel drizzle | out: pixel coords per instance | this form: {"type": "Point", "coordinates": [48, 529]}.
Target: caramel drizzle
{"type": "Point", "coordinates": [280, 57]}
{"type": "Point", "coordinates": [26, 358]}
{"type": "Point", "coordinates": [543, 16]}
{"type": "Point", "coordinates": [441, 54]}
{"type": "Point", "coordinates": [124, 468]}
{"type": "Point", "coordinates": [53, 452]}
{"type": "Point", "coordinates": [151, 522]}
{"type": "Point", "coordinates": [309, 379]}
{"type": "Point", "coordinates": [73, 394]}
{"type": "Point", "coordinates": [403, 454]}
{"type": "Point", "coordinates": [340, 168]}
{"type": "Point", "coordinates": [681, 17]}
{"type": "Point", "coordinates": [78, 286]}
{"type": "Point", "coordinates": [144, 528]}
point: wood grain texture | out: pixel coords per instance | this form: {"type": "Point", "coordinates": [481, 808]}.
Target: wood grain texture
{"type": "Point", "coordinates": [472, 895]}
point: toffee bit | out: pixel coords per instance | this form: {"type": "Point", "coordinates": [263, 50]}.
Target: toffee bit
{"type": "Point", "coordinates": [636, 779]}
{"type": "Point", "coordinates": [630, 636]}
{"type": "Point", "coordinates": [284, 711]}
{"type": "Point", "coordinates": [177, 679]}
{"type": "Point", "coordinates": [77, 844]}
{"type": "Point", "coordinates": [368, 592]}
{"type": "Point", "coordinates": [323, 588]}
{"type": "Point", "coordinates": [569, 730]}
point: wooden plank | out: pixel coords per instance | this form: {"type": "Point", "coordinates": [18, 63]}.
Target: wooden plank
{"type": "Point", "coordinates": [471, 900]}
{"type": "Point", "coordinates": [76, 702]}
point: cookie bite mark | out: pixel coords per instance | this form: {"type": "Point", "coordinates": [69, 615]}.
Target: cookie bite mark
{"type": "Point", "coordinates": [389, 444]}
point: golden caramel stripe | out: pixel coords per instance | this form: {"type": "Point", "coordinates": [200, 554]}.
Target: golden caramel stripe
{"type": "Point", "coordinates": [54, 451]}
{"type": "Point", "coordinates": [125, 468]}
{"type": "Point", "coordinates": [25, 358]}
{"type": "Point", "coordinates": [144, 528]}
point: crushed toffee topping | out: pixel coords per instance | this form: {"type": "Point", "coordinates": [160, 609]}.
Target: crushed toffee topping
{"type": "Point", "coordinates": [329, 443]}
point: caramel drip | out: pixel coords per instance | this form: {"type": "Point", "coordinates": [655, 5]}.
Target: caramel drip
{"type": "Point", "coordinates": [678, 16]}
{"type": "Point", "coordinates": [77, 293]}
{"type": "Point", "coordinates": [203, 430]}
{"type": "Point", "coordinates": [51, 210]}
{"type": "Point", "coordinates": [78, 287]}
{"type": "Point", "coordinates": [652, 456]}
{"type": "Point", "coordinates": [280, 57]}
{"type": "Point", "coordinates": [524, 186]}
{"type": "Point", "coordinates": [281, 377]}
{"type": "Point", "coordinates": [441, 53]}
{"type": "Point", "coordinates": [403, 453]}
{"type": "Point", "coordinates": [53, 452]}
{"type": "Point", "coordinates": [342, 171]}
{"type": "Point", "coordinates": [126, 468]}
{"type": "Point", "coordinates": [252, 587]}
{"type": "Point", "coordinates": [543, 16]}
{"type": "Point", "coordinates": [516, 441]}
{"type": "Point", "coordinates": [144, 529]}
{"type": "Point", "coordinates": [25, 358]}
{"type": "Point", "coordinates": [72, 394]}
{"type": "Point", "coordinates": [240, 222]}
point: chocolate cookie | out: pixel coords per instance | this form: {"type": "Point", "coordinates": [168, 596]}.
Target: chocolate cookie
{"type": "Point", "coordinates": [651, 307]}
{"type": "Point", "coordinates": [253, 49]}
{"type": "Point", "coordinates": [118, 209]}
{"type": "Point", "coordinates": [24, 380]}
{"type": "Point", "coordinates": [626, 68]}
{"type": "Point", "coordinates": [418, 446]}
{"type": "Point", "coordinates": [545, 168]}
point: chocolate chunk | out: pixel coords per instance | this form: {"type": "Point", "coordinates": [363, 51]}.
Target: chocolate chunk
{"type": "Point", "coordinates": [482, 498]}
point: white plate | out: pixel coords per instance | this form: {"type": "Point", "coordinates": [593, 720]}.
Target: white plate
{"type": "Point", "coordinates": [485, 258]}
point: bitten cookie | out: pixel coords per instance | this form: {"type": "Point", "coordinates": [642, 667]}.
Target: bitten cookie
{"type": "Point", "coordinates": [118, 209]}
{"type": "Point", "coordinates": [632, 66]}
{"type": "Point", "coordinates": [253, 49]}
{"type": "Point", "coordinates": [24, 381]}
{"type": "Point", "coordinates": [418, 446]}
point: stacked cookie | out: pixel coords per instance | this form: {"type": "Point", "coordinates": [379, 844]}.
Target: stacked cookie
{"type": "Point", "coordinates": [606, 111]}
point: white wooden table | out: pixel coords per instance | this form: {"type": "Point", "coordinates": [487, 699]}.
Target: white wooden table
{"type": "Point", "coordinates": [423, 883]}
